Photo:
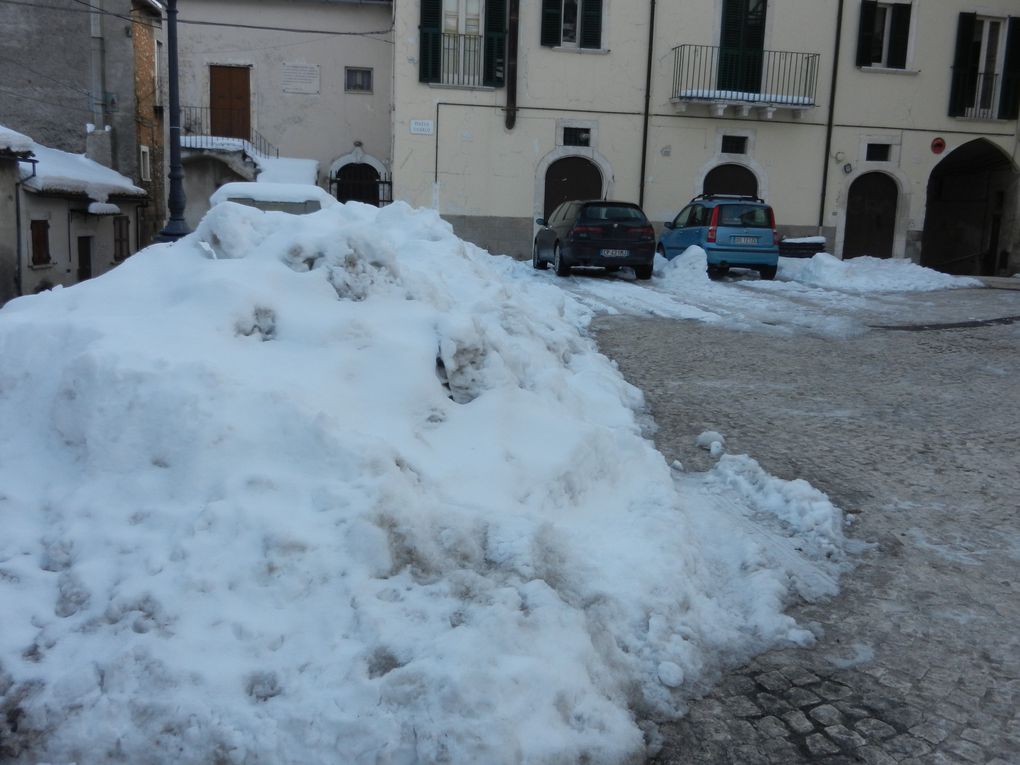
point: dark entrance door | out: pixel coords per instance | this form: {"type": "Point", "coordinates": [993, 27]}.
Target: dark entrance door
{"type": "Point", "coordinates": [230, 101]}
{"type": "Point", "coordinates": [741, 45]}
{"type": "Point", "coordinates": [358, 182]}
{"type": "Point", "coordinates": [870, 217]}
{"type": "Point", "coordinates": [968, 192]}
{"type": "Point", "coordinates": [731, 179]}
{"type": "Point", "coordinates": [571, 178]}
{"type": "Point", "coordinates": [84, 258]}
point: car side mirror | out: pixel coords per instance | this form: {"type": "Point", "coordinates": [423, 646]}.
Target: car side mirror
{"type": "Point", "coordinates": [540, 221]}
{"type": "Point", "coordinates": [668, 224]}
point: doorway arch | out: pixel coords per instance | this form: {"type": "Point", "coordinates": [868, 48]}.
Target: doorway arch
{"type": "Point", "coordinates": [970, 194]}
{"type": "Point", "coordinates": [358, 182]}
{"type": "Point", "coordinates": [871, 216]}
{"type": "Point", "coordinates": [571, 177]}
{"type": "Point", "coordinates": [731, 179]}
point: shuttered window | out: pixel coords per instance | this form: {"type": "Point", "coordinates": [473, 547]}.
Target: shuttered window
{"type": "Point", "coordinates": [572, 23]}
{"type": "Point", "coordinates": [41, 243]}
{"type": "Point", "coordinates": [1009, 101]}
{"type": "Point", "coordinates": [883, 34]}
{"type": "Point", "coordinates": [430, 32]}
{"type": "Point", "coordinates": [463, 42]}
{"type": "Point", "coordinates": [985, 80]}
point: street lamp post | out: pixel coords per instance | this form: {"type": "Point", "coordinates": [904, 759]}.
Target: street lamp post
{"type": "Point", "coordinates": [175, 227]}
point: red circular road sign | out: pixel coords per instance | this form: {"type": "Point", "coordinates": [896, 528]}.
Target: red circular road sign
{"type": "Point", "coordinates": [938, 145]}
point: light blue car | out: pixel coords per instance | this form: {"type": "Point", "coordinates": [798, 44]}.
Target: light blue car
{"type": "Point", "coordinates": [732, 230]}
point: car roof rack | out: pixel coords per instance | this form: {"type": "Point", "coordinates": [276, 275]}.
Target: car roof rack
{"type": "Point", "coordinates": [745, 197]}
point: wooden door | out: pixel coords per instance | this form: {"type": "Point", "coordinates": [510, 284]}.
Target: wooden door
{"type": "Point", "coordinates": [571, 178]}
{"type": "Point", "coordinates": [84, 258]}
{"type": "Point", "coordinates": [741, 45]}
{"type": "Point", "coordinates": [870, 217]}
{"type": "Point", "coordinates": [731, 179]}
{"type": "Point", "coordinates": [230, 101]}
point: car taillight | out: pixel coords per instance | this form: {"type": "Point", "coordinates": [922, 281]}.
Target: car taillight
{"type": "Point", "coordinates": [772, 220]}
{"type": "Point", "coordinates": [646, 232]}
{"type": "Point", "coordinates": [584, 231]}
{"type": "Point", "coordinates": [713, 226]}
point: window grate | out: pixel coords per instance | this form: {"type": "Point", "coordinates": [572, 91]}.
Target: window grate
{"type": "Point", "coordinates": [734, 144]}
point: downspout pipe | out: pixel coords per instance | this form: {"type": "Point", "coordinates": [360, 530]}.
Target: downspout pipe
{"type": "Point", "coordinates": [511, 64]}
{"type": "Point", "coordinates": [648, 96]}
{"type": "Point", "coordinates": [832, 118]}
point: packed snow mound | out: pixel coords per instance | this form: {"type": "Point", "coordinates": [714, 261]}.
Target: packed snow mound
{"type": "Point", "coordinates": [867, 274]}
{"type": "Point", "coordinates": [686, 270]}
{"type": "Point", "coordinates": [341, 487]}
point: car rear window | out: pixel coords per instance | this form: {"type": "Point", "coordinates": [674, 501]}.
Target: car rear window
{"type": "Point", "coordinates": [620, 213]}
{"type": "Point", "coordinates": [747, 216]}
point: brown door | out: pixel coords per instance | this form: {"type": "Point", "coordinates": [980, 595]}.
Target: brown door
{"type": "Point", "coordinates": [84, 258]}
{"type": "Point", "coordinates": [731, 179]}
{"type": "Point", "coordinates": [230, 101]}
{"type": "Point", "coordinates": [870, 217]}
{"type": "Point", "coordinates": [571, 178]}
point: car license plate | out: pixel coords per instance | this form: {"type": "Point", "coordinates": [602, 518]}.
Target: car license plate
{"type": "Point", "coordinates": [744, 239]}
{"type": "Point", "coordinates": [615, 253]}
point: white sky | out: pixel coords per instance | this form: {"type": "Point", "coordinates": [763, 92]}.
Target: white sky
{"type": "Point", "coordinates": [343, 488]}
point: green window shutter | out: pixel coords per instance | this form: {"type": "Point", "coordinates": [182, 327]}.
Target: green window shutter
{"type": "Point", "coordinates": [429, 33]}
{"type": "Point", "coordinates": [552, 22]}
{"type": "Point", "coordinates": [899, 36]}
{"type": "Point", "coordinates": [865, 32]}
{"type": "Point", "coordinates": [1009, 100]}
{"type": "Point", "coordinates": [495, 43]}
{"type": "Point", "coordinates": [964, 81]}
{"type": "Point", "coordinates": [591, 24]}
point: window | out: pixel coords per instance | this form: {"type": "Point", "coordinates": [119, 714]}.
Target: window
{"type": "Point", "coordinates": [986, 68]}
{"type": "Point", "coordinates": [463, 42]}
{"type": "Point", "coordinates": [572, 24]}
{"type": "Point", "coordinates": [144, 163]}
{"type": "Point", "coordinates": [121, 237]}
{"type": "Point", "coordinates": [734, 144]}
{"type": "Point", "coordinates": [576, 136]}
{"type": "Point", "coordinates": [883, 35]}
{"type": "Point", "coordinates": [41, 243]}
{"type": "Point", "coordinates": [357, 80]}
{"type": "Point", "coordinates": [877, 152]}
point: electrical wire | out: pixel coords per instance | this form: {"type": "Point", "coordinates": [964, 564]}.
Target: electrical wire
{"type": "Point", "coordinates": [67, 85]}
{"type": "Point", "coordinates": [59, 105]}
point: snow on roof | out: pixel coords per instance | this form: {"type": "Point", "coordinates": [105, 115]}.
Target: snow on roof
{"type": "Point", "coordinates": [61, 171]}
{"type": "Point", "coordinates": [15, 142]}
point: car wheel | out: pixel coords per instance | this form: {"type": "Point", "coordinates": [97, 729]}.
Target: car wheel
{"type": "Point", "coordinates": [767, 272]}
{"type": "Point", "coordinates": [562, 269]}
{"type": "Point", "coordinates": [643, 272]}
{"type": "Point", "coordinates": [536, 261]}
{"type": "Point", "coordinates": [660, 250]}
{"type": "Point", "coordinates": [717, 272]}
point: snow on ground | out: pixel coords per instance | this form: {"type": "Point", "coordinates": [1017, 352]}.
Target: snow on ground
{"type": "Point", "coordinates": [342, 488]}
{"type": "Point", "coordinates": [821, 295]}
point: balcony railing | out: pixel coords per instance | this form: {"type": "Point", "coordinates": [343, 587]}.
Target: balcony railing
{"type": "Point", "coordinates": [215, 128]}
{"type": "Point", "coordinates": [463, 60]}
{"type": "Point", "coordinates": [772, 78]}
{"type": "Point", "coordinates": [984, 95]}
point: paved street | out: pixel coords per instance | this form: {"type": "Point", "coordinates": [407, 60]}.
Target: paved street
{"type": "Point", "coordinates": [915, 431]}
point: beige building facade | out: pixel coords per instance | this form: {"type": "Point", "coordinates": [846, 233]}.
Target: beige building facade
{"type": "Point", "coordinates": [888, 127]}
{"type": "Point", "coordinates": [309, 79]}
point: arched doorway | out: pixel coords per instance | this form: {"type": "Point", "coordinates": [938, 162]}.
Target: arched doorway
{"type": "Point", "coordinates": [969, 194]}
{"type": "Point", "coordinates": [358, 182]}
{"type": "Point", "coordinates": [571, 178]}
{"type": "Point", "coordinates": [871, 217]}
{"type": "Point", "coordinates": [731, 179]}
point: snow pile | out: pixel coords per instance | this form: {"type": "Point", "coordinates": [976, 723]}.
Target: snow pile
{"type": "Point", "coordinates": [687, 270]}
{"type": "Point", "coordinates": [867, 274]}
{"type": "Point", "coordinates": [340, 487]}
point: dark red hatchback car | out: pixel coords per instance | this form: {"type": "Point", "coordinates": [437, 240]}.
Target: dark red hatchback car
{"type": "Point", "coordinates": [595, 233]}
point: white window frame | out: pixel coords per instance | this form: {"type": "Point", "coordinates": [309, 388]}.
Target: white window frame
{"type": "Point", "coordinates": [976, 109]}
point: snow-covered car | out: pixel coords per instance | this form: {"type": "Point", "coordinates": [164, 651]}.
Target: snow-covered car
{"type": "Point", "coordinates": [294, 198]}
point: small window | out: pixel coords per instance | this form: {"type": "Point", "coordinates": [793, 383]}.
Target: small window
{"type": "Point", "coordinates": [878, 152]}
{"type": "Point", "coordinates": [41, 243]}
{"type": "Point", "coordinates": [575, 136]}
{"type": "Point", "coordinates": [883, 35]}
{"type": "Point", "coordinates": [572, 23]}
{"type": "Point", "coordinates": [357, 80]}
{"type": "Point", "coordinates": [121, 237]}
{"type": "Point", "coordinates": [734, 144]}
{"type": "Point", "coordinates": [144, 163]}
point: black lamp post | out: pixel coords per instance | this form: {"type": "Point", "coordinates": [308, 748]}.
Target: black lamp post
{"type": "Point", "coordinates": [175, 227]}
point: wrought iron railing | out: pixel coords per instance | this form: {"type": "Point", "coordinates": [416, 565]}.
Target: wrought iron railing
{"type": "Point", "coordinates": [985, 95]}
{"type": "Point", "coordinates": [773, 77]}
{"type": "Point", "coordinates": [203, 127]}
{"type": "Point", "coordinates": [462, 59]}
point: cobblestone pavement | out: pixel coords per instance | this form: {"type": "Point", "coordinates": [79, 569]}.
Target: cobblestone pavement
{"type": "Point", "coordinates": [918, 434]}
